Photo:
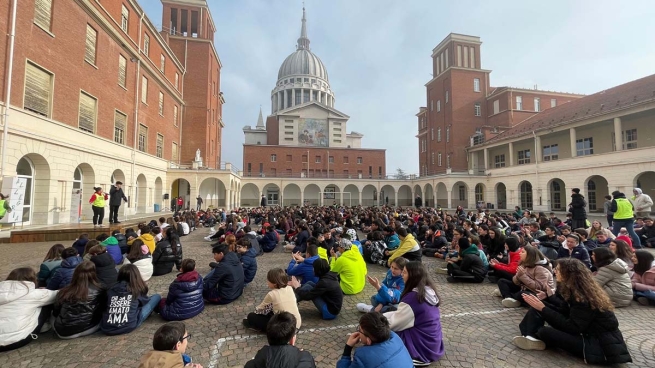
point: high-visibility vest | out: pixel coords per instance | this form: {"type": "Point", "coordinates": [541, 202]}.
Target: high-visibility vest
{"type": "Point", "coordinates": [3, 210]}
{"type": "Point", "coordinates": [623, 209]}
{"type": "Point", "coordinates": [99, 201]}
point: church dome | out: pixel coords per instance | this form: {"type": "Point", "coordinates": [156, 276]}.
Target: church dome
{"type": "Point", "coordinates": [303, 62]}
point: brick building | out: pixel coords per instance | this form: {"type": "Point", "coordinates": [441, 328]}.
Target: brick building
{"type": "Point", "coordinates": [463, 109]}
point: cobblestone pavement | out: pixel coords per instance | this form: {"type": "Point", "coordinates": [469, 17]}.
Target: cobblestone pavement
{"type": "Point", "coordinates": [477, 330]}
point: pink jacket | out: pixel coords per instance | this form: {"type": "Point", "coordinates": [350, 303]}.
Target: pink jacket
{"type": "Point", "coordinates": [644, 282]}
{"type": "Point", "coordinates": [537, 278]}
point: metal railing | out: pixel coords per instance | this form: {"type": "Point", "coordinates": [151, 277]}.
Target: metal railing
{"type": "Point", "coordinates": [192, 165]}
{"type": "Point", "coordinates": [325, 175]}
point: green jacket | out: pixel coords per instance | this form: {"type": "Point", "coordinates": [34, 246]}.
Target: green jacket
{"type": "Point", "coordinates": [351, 268]}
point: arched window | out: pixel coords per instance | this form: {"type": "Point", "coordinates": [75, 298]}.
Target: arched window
{"type": "Point", "coordinates": [78, 178]}
{"type": "Point", "coordinates": [556, 191]}
{"type": "Point", "coordinates": [25, 169]}
{"type": "Point", "coordinates": [591, 195]}
{"type": "Point", "coordinates": [479, 193]}
{"type": "Point", "coordinates": [526, 195]}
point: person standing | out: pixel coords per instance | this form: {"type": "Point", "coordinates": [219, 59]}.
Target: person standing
{"type": "Point", "coordinates": [418, 201]}
{"type": "Point", "coordinates": [262, 203]}
{"type": "Point", "coordinates": [623, 217]}
{"type": "Point", "coordinates": [115, 196]}
{"type": "Point", "coordinates": [642, 202]}
{"type": "Point", "coordinates": [198, 203]}
{"type": "Point", "coordinates": [577, 209]}
{"type": "Point", "coordinates": [97, 202]}
{"type": "Point", "coordinates": [180, 203]}
{"type": "Point", "coordinates": [608, 212]}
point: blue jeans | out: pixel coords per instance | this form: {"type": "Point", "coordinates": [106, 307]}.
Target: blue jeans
{"type": "Point", "coordinates": [385, 308]}
{"type": "Point", "coordinates": [147, 309]}
{"type": "Point", "coordinates": [648, 294]}
{"type": "Point", "coordinates": [628, 224]}
{"type": "Point", "coordinates": [319, 302]}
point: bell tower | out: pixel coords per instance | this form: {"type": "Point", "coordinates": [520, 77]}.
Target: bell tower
{"type": "Point", "coordinates": [188, 18]}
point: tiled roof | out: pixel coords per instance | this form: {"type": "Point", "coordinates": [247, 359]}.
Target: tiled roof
{"type": "Point", "coordinates": [599, 103]}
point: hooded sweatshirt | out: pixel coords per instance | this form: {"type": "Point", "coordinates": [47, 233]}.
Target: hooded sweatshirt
{"type": "Point", "coordinates": [64, 274]}
{"type": "Point", "coordinates": [149, 240]}
{"type": "Point", "coordinates": [113, 249]}
{"type": "Point", "coordinates": [20, 306]}
{"type": "Point", "coordinates": [351, 268]}
{"type": "Point", "coordinates": [642, 202]}
{"type": "Point", "coordinates": [615, 280]}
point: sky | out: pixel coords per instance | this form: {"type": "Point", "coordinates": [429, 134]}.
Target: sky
{"type": "Point", "coordinates": [377, 53]}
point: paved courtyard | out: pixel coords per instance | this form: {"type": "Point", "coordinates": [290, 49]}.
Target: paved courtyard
{"type": "Point", "coordinates": [477, 329]}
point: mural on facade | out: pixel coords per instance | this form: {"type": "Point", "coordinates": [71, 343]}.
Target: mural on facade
{"type": "Point", "coordinates": [313, 132]}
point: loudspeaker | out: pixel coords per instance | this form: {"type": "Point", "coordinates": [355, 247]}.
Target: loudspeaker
{"type": "Point", "coordinates": [166, 196]}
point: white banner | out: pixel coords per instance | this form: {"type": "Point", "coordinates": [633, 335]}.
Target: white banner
{"type": "Point", "coordinates": [14, 188]}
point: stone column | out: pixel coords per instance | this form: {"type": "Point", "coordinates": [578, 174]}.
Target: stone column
{"type": "Point", "coordinates": [228, 199]}
{"type": "Point", "coordinates": [618, 134]}
{"type": "Point", "coordinates": [293, 97]}
{"type": "Point", "coordinates": [511, 154]}
{"type": "Point", "coordinates": [486, 158]}
{"type": "Point", "coordinates": [539, 154]}
{"type": "Point", "coordinates": [360, 197]}
{"type": "Point", "coordinates": [573, 136]}
{"type": "Point", "coordinates": [450, 199]}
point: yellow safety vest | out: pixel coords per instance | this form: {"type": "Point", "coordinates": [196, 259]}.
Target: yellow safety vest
{"type": "Point", "coordinates": [99, 201]}
{"type": "Point", "coordinates": [3, 210]}
{"type": "Point", "coordinates": [623, 209]}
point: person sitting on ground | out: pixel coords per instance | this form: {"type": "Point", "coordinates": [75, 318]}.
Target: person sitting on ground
{"type": "Point", "coordinates": [613, 275]}
{"type": "Point", "coordinates": [303, 267]}
{"type": "Point", "coordinates": [580, 319]}
{"type": "Point", "coordinates": [281, 298]}
{"type": "Point", "coordinates": [588, 243]}
{"type": "Point", "coordinates": [381, 347]}
{"type": "Point", "coordinates": [51, 263]}
{"type": "Point", "coordinates": [184, 299]}
{"type": "Point", "coordinates": [147, 238]}
{"type": "Point", "coordinates": [252, 237]}
{"type": "Point", "coordinates": [24, 309]}
{"type": "Point", "coordinates": [281, 351]}
{"type": "Point", "coordinates": [169, 348]}
{"type": "Point", "coordinates": [63, 275]}
{"type": "Point", "coordinates": [224, 283]}
{"type": "Point", "coordinates": [534, 275]}
{"type": "Point", "coordinates": [139, 256]}
{"type": "Point", "coordinates": [80, 243]}
{"type": "Point", "coordinates": [389, 291]}
{"type": "Point", "coordinates": [408, 249]}
{"type": "Point", "coordinates": [122, 241]}
{"type": "Point", "coordinates": [468, 267]}
{"type": "Point", "coordinates": [326, 294]}
{"type": "Point", "coordinates": [643, 279]}
{"type": "Point", "coordinates": [497, 243]}
{"type": "Point", "coordinates": [105, 268]}
{"type": "Point", "coordinates": [603, 240]}
{"type": "Point", "coordinates": [349, 263]}
{"type": "Point", "coordinates": [79, 306]}
{"type": "Point", "coordinates": [374, 248]}
{"type": "Point", "coordinates": [113, 249]}
{"type": "Point", "coordinates": [168, 254]}
{"type": "Point", "coordinates": [268, 242]}
{"type": "Point", "coordinates": [507, 271]}
{"type": "Point", "coordinates": [300, 243]}
{"type": "Point", "coordinates": [418, 320]}
{"type": "Point", "coordinates": [128, 303]}
{"type": "Point", "coordinates": [90, 244]}
{"type": "Point", "coordinates": [434, 241]}
{"type": "Point", "coordinates": [183, 227]}
{"type": "Point", "coordinates": [574, 249]}
{"type": "Point", "coordinates": [622, 251]}
{"type": "Point", "coordinates": [247, 255]}
{"type": "Point", "coordinates": [548, 244]}
{"type": "Point", "coordinates": [391, 239]}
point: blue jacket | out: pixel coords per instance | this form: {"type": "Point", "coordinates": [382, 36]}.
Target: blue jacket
{"type": "Point", "coordinates": [301, 242]}
{"type": "Point", "coordinates": [579, 252]}
{"type": "Point", "coordinates": [304, 269]}
{"type": "Point", "coordinates": [184, 298]}
{"type": "Point", "coordinates": [390, 289]}
{"type": "Point", "coordinates": [392, 241]}
{"type": "Point", "coordinates": [269, 241]}
{"type": "Point", "coordinates": [249, 264]}
{"type": "Point", "coordinates": [224, 283]}
{"type": "Point", "coordinates": [123, 311]}
{"type": "Point", "coordinates": [64, 274]}
{"type": "Point", "coordinates": [47, 270]}
{"type": "Point", "coordinates": [388, 354]}
{"type": "Point", "coordinates": [79, 246]}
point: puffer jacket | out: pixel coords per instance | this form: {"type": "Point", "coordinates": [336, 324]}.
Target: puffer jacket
{"type": "Point", "coordinates": [537, 278]}
{"type": "Point", "coordinates": [184, 299]}
{"type": "Point", "coordinates": [615, 280]}
{"type": "Point", "coordinates": [224, 283]}
{"type": "Point", "coordinates": [269, 241]}
{"type": "Point", "coordinates": [163, 259]}
{"type": "Point", "coordinates": [281, 356]}
{"type": "Point", "coordinates": [105, 269]}
{"type": "Point", "coordinates": [64, 274]}
{"type": "Point", "coordinates": [47, 270]}
{"type": "Point", "coordinates": [407, 246]}
{"type": "Point", "coordinates": [72, 319]}
{"type": "Point", "coordinates": [20, 306]}
{"type": "Point", "coordinates": [644, 282]}
{"type": "Point", "coordinates": [144, 264]}
{"type": "Point", "coordinates": [579, 252]}
{"type": "Point", "coordinates": [113, 249]}
{"type": "Point", "coordinates": [122, 242]}
{"type": "Point", "coordinates": [249, 264]}
{"type": "Point", "coordinates": [79, 246]}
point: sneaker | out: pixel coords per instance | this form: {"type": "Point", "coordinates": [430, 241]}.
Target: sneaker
{"type": "Point", "coordinates": [208, 238]}
{"type": "Point", "coordinates": [46, 327]}
{"type": "Point", "coordinates": [497, 293]}
{"type": "Point", "coordinates": [364, 308]}
{"type": "Point", "coordinates": [511, 303]}
{"type": "Point", "coordinates": [418, 363]}
{"type": "Point", "coordinates": [643, 301]}
{"type": "Point", "coordinates": [528, 343]}
{"type": "Point", "coordinates": [442, 271]}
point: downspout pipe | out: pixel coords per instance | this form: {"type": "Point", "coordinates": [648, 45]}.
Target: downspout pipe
{"type": "Point", "coordinates": [136, 109]}
{"type": "Point", "coordinates": [5, 117]}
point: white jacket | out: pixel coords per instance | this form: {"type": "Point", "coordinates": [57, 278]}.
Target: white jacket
{"type": "Point", "coordinates": [20, 306]}
{"type": "Point", "coordinates": [144, 265]}
{"type": "Point", "coordinates": [642, 202]}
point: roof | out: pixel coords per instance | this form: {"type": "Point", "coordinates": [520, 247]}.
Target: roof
{"type": "Point", "coordinates": [600, 103]}
{"type": "Point", "coordinates": [499, 90]}
{"type": "Point", "coordinates": [303, 61]}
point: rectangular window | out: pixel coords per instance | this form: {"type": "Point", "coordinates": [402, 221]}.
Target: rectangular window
{"type": "Point", "coordinates": [499, 161]}
{"type": "Point", "coordinates": [439, 106]}
{"type": "Point", "coordinates": [162, 62]}
{"type": "Point", "coordinates": [473, 57]}
{"type": "Point", "coordinates": [537, 104]}
{"type": "Point", "coordinates": [476, 85]}
{"type": "Point", "coordinates": [447, 96]}
{"type": "Point", "coordinates": [143, 138]}
{"type": "Point", "coordinates": [160, 145]}
{"type": "Point", "coordinates": [120, 124]}
{"type": "Point", "coordinates": [553, 102]}
{"type": "Point", "coordinates": [174, 153]}
{"type": "Point", "coordinates": [551, 153]}
{"type": "Point", "coordinates": [496, 107]}
{"type": "Point", "coordinates": [466, 56]}
{"type": "Point", "coordinates": [161, 103]}
{"type": "Point", "coordinates": [43, 13]}
{"type": "Point", "coordinates": [318, 159]}
{"type": "Point", "coordinates": [90, 46]}
{"type": "Point", "coordinates": [177, 81]}
{"type": "Point", "coordinates": [175, 115]}
{"type": "Point", "coordinates": [438, 159]}
{"type": "Point", "coordinates": [478, 110]}
{"type": "Point", "coordinates": [584, 146]}
{"type": "Point", "coordinates": [459, 55]}
{"type": "Point", "coordinates": [38, 90]}
{"type": "Point", "coordinates": [88, 113]}
{"type": "Point", "coordinates": [630, 139]}
{"type": "Point", "coordinates": [447, 134]}
{"type": "Point", "coordinates": [438, 134]}
{"type": "Point", "coordinates": [524, 157]}
{"type": "Point", "coordinates": [519, 103]}
{"type": "Point", "coordinates": [331, 159]}
{"type": "Point", "coordinates": [345, 159]}
{"type": "Point", "coordinates": [304, 159]}
{"type": "Point", "coordinates": [122, 71]}
{"type": "Point", "coordinates": [274, 158]}
{"type": "Point", "coordinates": [144, 90]}
{"type": "Point", "coordinates": [431, 133]}
{"type": "Point", "coordinates": [432, 156]}
{"type": "Point", "coordinates": [289, 158]}
{"type": "Point", "coordinates": [359, 160]}
{"type": "Point", "coordinates": [125, 17]}
{"type": "Point", "coordinates": [146, 45]}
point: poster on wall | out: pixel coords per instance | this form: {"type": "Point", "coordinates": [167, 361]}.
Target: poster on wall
{"type": "Point", "coordinates": [14, 187]}
{"type": "Point", "coordinates": [328, 193]}
{"type": "Point", "coordinates": [76, 206]}
{"type": "Point", "coordinates": [313, 132]}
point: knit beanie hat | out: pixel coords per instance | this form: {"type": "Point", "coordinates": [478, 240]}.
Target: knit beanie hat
{"type": "Point", "coordinates": [109, 241]}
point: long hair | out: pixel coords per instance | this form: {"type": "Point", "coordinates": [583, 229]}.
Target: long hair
{"type": "Point", "coordinates": [644, 261]}
{"type": "Point", "coordinates": [135, 285]}
{"type": "Point", "coordinates": [603, 256]}
{"type": "Point", "coordinates": [24, 274]}
{"type": "Point", "coordinates": [54, 252]}
{"type": "Point", "coordinates": [90, 244]}
{"type": "Point", "coordinates": [173, 239]}
{"type": "Point", "coordinates": [623, 250]}
{"type": "Point", "coordinates": [417, 278]}
{"type": "Point", "coordinates": [532, 256]}
{"type": "Point", "coordinates": [135, 250]}
{"type": "Point", "coordinates": [78, 290]}
{"type": "Point", "coordinates": [578, 284]}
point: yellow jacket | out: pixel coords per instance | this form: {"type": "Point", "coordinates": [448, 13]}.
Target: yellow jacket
{"type": "Point", "coordinates": [149, 241]}
{"type": "Point", "coordinates": [406, 245]}
{"type": "Point", "coordinates": [351, 268]}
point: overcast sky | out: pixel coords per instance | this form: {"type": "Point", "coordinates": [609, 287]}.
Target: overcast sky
{"type": "Point", "coordinates": [377, 53]}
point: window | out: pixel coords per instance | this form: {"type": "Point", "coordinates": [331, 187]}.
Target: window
{"type": "Point", "coordinates": [432, 156]}
{"type": "Point", "coordinates": [345, 159]}
{"type": "Point", "coordinates": [431, 133]}
{"type": "Point", "coordinates": [125, 17]}
{"type": "Point", "coordinates": [591, 195]}
{"type": "Point", "coordinates": [553, 102]}
{"type": "Point", "coordinates": [478, 110]}
{"type": "Point", "coordinates": [359, 160]}
{"type": "Point", "coordinates": [143, 138]}
{"type": "Point", "coordinates": [331, 159]}
{"type": "Point", "coordinates": [448, 134]}
{"type": "Point", "coordinates": [304, 159]}
{"type": "Point", "coordinates": [318, 159]}
{"type": "Point", "coordinates": [43, 14]}
{"type": "Point", "coordinates": [175, 115]}
{"type": "Point", "coordinates": [122, 71]}
{"type": "Point", "coordinates": [476, 85]}
{"type": "Point", "coordinates": [448, 161]}
{"type": "Point", "coordinates": [519, 103]}
{"type": "Point", "coordinates": [537, 104]}
{"type": "Point", "coordinates": [144, 90]}
{"type": "Point", "coordinates": [439, 106]}
{"type": "Point", "coordinates": [447, 96]}
{"type": "Point", "coordinates": [87, 115]}
{"type": "Point", "coordinates": [524, 157]}
{"type": "Point", "coordinates": [273, 158]}
{"type": "Point", "coordinates": [422, 145]}
{"type": "Point", "coordinates": [439, 134]}
{"type": "Point", "coordinates": [499, 161]}
{"type": "Point", "coordinates": [146, 45]}
{"type": "Point", "coordinates": [526, 195]}
{"type": "Point", "coordinates": [630, 139]}
{"type": "Point", "coordinates": [496, 107]}
{"type": "Point", "coordinates": [162, 62]}
{"type": "Point", "coordinates": [161, 103]}
{"type": "Point", "coordinates": [289, 158]}
{"type": "Point", "coordinates": [461, 189]}
{"type": "Point", "coordinates": [120, 124]}
{"type": "Point", "coordinates": [584, 146]}
{"type": "Point", "coordinates": [160, 145]}
{"type": "Point", "coordinates": [438, 159]}
{"type": "Point", "coordinates": [38, 90]}
{"type": "Point", "coordinates": [177, 81]}
{"type": "Point", "coordinates": [90, 46]}
{"type": "Point", "coordinates": [551, 153]}
{"type": "Point", "coordinates": [174, 152]}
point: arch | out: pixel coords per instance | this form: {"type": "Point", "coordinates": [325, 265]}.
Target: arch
{"type": "Point", "coordinates": [141, 193]}
{"type": "Point", "coordinates": [646, 182]}
{"type": "Point", "coordinates": [480, 198]}
{"type": "Point", "coordinates": [557, 194]}
{"type": "Point", "coordinates": [442, 195]}
{"type": "Point", "coordinates": [159, 195]}
{"type": "Point", "coordinates": [460, 195]}
{"type": "Point", "coordinates": [311, 195]}
{"type": "Point", "coordinates": [387, 196]}
{"type": "Point", "coordinates": [291, 195]}
{"type": "Point", "coordinates": [332, 195]}
{"type": "Point", "coordinates": [405, 196]}
{"type": "Point", "coordinates": [525, 195]}
{"type": "Point", "coordinates": [35, 208]}
{"type": "Point", "coordinates": [596, 188]}
{"type": "Point", "coordinates": [501, 196]}
{"type": "Point", "coordinates": [250, 195]}
{"type": "Point", "coordinates": [418, 191]}
{"type": "Point", "coordinates": [428, 197]}
{"type": "Point", "coordinates": [212, 191]}
{"type": "Point", "coordinates": [180, 188]}
{"type": "Point", "coordinates": [272, 193]}
{"type": "Point", "coordinates": [369, 196]}
{"type": "Point", "coordinates": [117, 175]}
{"type": "Point", "coordinates": [84, 180]}
{"type": "Point", "coordinates": [353, 198]}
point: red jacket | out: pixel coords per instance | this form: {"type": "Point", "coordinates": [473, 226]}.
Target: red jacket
{"type": "Point", "coordinates": [514, 259]}
{"type": "Point", "coordinates": [93, 197]}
